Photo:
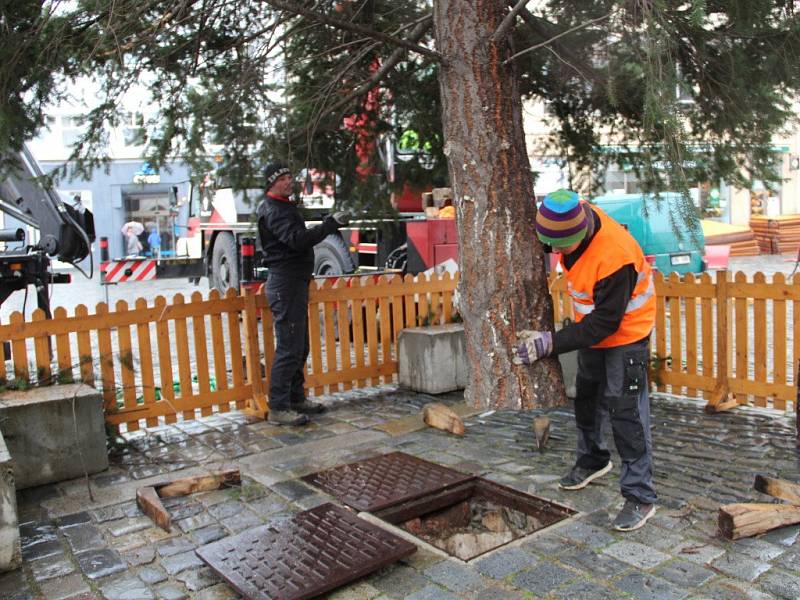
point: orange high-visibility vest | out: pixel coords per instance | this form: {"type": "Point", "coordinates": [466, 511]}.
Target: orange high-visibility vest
{"type": "Point", "coordinates": [612, 248]}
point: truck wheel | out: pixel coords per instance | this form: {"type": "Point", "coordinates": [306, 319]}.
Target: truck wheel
{"type": "Point", "coordinates": [331, 257]}
{"type": "Point", "coordinates": [225, 264]}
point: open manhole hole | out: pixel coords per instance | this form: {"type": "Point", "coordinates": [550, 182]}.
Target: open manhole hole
{"type": "Point", "coordinates": [463, 515]}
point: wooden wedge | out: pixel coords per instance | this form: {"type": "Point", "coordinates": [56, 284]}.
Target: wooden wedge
{"type": "Point", "coordinates": [737, 521]}
{"type": "Point", "coordinates": [778, 488]}
{"type": "Point", "coordinates": [441, 417]}
{"type": "Point", "coordinates": [202, 483]}
{"type": "Point", "coordinates": [150, 503]}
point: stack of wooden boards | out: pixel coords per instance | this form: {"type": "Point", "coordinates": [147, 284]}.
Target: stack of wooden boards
{"type": "Point", "coordinates": [741, 240]}
{"type": "Point", "coordinates": [777, 235]}
{"type": "Point", "coordinates": [744, 520]}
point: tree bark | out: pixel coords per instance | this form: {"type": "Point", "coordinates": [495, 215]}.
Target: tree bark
{"type": "Point", "coordinates": [503, 287]}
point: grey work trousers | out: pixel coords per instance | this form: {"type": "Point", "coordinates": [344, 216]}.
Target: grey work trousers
{"type": "Point", "coordinates": [288, 301]}
{"type": "Point", "coordinates": [611, 385]}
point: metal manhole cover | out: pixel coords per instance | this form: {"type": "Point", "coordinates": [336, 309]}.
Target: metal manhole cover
{"type": "Point", "coordinates": [386, 480]}
{"type": "Point", "coordinates": [314, 552]}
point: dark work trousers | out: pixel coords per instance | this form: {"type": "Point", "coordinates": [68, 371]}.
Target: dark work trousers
{"type": "Point", "coordinates": [288, 301]}
{"type": "Point", "coordinates": [611, 386]}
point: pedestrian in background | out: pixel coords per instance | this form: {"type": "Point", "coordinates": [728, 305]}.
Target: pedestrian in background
{"type": "Point", "coordinates": [154, 240]}
{"type": "Point", "coordinates": [288, 248]}
{"type": "Point", "coordinates": [613, 295]}
{"type": "Point", "coordinates": [133, 246]}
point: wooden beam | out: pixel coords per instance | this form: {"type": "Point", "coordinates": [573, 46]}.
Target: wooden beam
{"type": "Point", "coordinates": [778, 488]}
{"type": "Point", "coordinates": [149, 502]}
{"type": "Point", "coordinates": [744, 520]}
{"type": "Point", "coordinates": [442, 417]}
{"type": "Point", "coordinates": [202, 483]}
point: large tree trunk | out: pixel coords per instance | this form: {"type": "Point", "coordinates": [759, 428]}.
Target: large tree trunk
{"type": "Point", "coordinates": [503, 285]}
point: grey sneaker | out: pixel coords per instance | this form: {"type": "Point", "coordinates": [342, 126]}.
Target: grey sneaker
{"type": "Point", "coordinates": [307, 407]}
{"type": "Point", "coordinates": [578, 478]}
{"type": "Point", "coordinates": [633, 515]}
{"type": "Point", "coordinates": [286, 417]}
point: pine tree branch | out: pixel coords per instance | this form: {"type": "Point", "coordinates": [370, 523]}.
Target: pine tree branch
{"type": "Point", "coordinates": [354, 27]}
{"type": "Point", "coordinates": [508, 21]}
{"type": "Point", "coordinates": [555, 37]}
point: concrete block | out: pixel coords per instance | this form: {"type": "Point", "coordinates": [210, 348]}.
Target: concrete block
{"type": "Point", "coordinates": [10, 557]}
{"type": "Point", "coordinates": [433, 360]}
{"type": "Point", "coordinates": [54, 433]}
{"type": "Point", "coordinates": [569, 367]}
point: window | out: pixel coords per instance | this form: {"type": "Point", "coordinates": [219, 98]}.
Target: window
{"type": "Point", "coordinates": [71, 129]}
{"type": "Point", "coordinates": [133, 132]}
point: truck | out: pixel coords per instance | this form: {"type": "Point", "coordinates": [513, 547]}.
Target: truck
{"type": "Point", "coordinates": [66, 232]}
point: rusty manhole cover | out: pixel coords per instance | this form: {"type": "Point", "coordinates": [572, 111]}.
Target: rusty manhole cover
{"type": "Point", "coordinates": [316, 551]}
{"type": "Point", "coordinates": [385, 480]}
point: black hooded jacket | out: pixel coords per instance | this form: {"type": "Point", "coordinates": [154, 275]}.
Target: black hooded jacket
{"type": "Point", "coordinates": [286, 243]}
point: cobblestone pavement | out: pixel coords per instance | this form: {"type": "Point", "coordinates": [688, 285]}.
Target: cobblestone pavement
{"type": "Point", "coordinates": [77, 548]}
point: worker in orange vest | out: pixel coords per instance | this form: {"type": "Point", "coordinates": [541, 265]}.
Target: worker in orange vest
{"type": "Point", "coordinates": [613, 295]}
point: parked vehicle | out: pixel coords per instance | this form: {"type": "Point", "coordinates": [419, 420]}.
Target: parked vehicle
{"type": "Point", "coordinates": [664, 248]}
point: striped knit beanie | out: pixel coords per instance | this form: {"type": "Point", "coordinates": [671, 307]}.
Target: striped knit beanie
{"type": "Point", "coordinates": [561, 220]}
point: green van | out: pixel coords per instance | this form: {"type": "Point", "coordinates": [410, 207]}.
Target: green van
{"type": "Point", "coordinates": [655, 235]}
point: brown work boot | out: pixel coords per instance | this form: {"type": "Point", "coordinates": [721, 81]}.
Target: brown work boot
{"type": "Point", "coordinates": [287, 417]}
{"type": "Point", "coordinates": [307, 407]}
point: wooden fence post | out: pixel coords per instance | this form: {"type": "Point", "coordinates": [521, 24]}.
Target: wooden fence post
{"type": "Point", "coordinates": [719, 400]}
{"type": "Point", "coordinates": [257, 404]}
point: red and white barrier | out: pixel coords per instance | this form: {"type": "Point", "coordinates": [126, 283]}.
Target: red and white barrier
{"type": "Point", "coordinates": [118, 271]}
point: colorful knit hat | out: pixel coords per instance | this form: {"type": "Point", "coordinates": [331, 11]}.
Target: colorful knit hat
{"type": "Point", "coordinates": [561, 220]}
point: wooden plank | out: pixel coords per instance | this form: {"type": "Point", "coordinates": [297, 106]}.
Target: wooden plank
{"type": "Point", "coordinates": [164, 363]}
{"type": "Point", "coordinates": [421, 286]}
{"type": "Point", "coordinates": [796, 342]}
{"type": "Point", "coordinates": [126, 364]}
{"type": "Point", "coordinates": [358, 332]}
{"type": "Point", "coordinates": [675, 331]}
{"type": "Point", "coordinates": [760, 338]}
{"type": "Point", "coordinates": [41, 350]}
{"type": "Point", "coordinates": [741, 312]}
{"type": "Point", "coordinates": [150, 504]}
{"type": "Point", "coordinates": [738, 521]}
{"type": "Point", "coordinates": [315, 339]}
{"type": "Point", "coordinates": [435, 308]}
{"type": "Point", "coordinates": [218, 350]}
{"type": "Point", "coordinates": [165, 409]}
{"type": "Point", "coordinates": [3, 374]}
{"type": "Point", "coordinates": [761, 388]}
{"type": "Point", "coordinates": [447, 301]}
{"type": "Point", "coordinates": [385, 326]}
{"type": "Point", "coordinates": [707, 326]}
{"type": "Point", "coordinates": [330, 334]}
{"type": "Point", "coordinates": [106, 358]}
{"type": "Point", "coordinates": [235, 341]}
{"type": "Point", "coordinates": [372, 331]}
{"type": "Point", "coordinates": [181, 343]}
{"type": "Point", "coordinates": [146, 362]}
{"type": "Point", "coordinates": [201, 350]}
{"type": "Point", "coordinates": [268, 335]}
{"type": "Point", "coordinates": [678, 379]}
{"type": "Point", "coordinates": [763, 291]}
{"type": "Point", "coordinates": [85, 349]}
{"type": "Point", "coordinates": [411, 305]}
{"type": "Point", "coordinates": [344, 311]}
{"type": "Point", "coordinates": [661, 336]}
{"type": "Point", "coordinates": [257, 403]}
{"type": "Point", "coordinates": [63, 351]}
{"type": "Point", "coordinates": [719, 396]}
{"type": "Point", "coordinates": [423, 311]}
{"type": "Point", "coordinates": [200, 483]}
{"type": "Point", "coordinates": [778, 488]}
{"type": "Point", "coordinates": [442, 417]}
{"type": "Point", "coordinates": [360, 373]}
{"type": "Point", "coordinates": [690, 315]}
{"type": "Point", "coordinates": [667, 287]}
{"type": "Point", "coordinates": [779, 341]}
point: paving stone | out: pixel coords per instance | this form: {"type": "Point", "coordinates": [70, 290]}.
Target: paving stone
{"type": "Point", "coordinates": [758, 548]}
{"type": "Point", "coordinates": [71, 587]}
{"type": "Point", "coordinates": [128, 525]}
{"type": "Point", "coordinates": [292, 490]}
{"type": "Point", "coordinates": [585, 534]}
{"type": "Point", "coordinates": [175, 545]}
{"type": "Point", "coordinates": [198, 579]}
{"type": "Point", "coordinates": [781, 584]}
{"type": "Point", "coordinates": [654, 537]}
{"type": "Point", "coordinates": [784, 536]}
{"type": "Point", "coordinates": [542, 578]}
{"type": "Point", "coordinates": [454, 576]}
{"type": "Point", "coordinates": [152, 575]}
{"type": "Point", "coordinates": [740, 566]}
{"type": "Point", "coordinates": [184, 510]}
{"type": "Point", "coordinates": [684, 574]}
{"type": "Point", "coordinates": [495, 592]}
{"type": "Point", "coordinates": [600, 566]}
{"type": "Point", "coordinates": [221, 591]}
{"type": "Point", "coordinates": [196, 522]}
{"type": "Point", "coordinates": [225, 509]}
{"type": "Point", "coordinates": [638, 555]}
{"type": "Point", "coordinates": [100, 563]}
{"type": "Point", "coordinates": [180, 562]}
{"type": "Point", "coordinates": [398, 581]}
{"type": "Point", "coordinates": [130, 588]}
{"type": "Point", "coordinates": [358, 591]}
{"type": "Point", "coordinates": [54, 566]}
{"type": "Point", "coordinates": [13, 586]}
{"type": "Point", "coordinates": [43, 549]}
{"type": "Point", "coordinates": [505, 561]}
{"type": "Point", "coordinates": [139, 556]}
{"type": "Point", "coordinates": [74, 519]}
{"type": "Point", "coordinates": [432, 592]}
{"type": "Point", "coordinates": [548, 544]}
{"type": "Point", "coordinates": [697, 552]}
{"type": "Point", "coordinates": [729, 589]}
{"type": "Point", "coordinates": [171, 591]}
{"type": "Point", "coordinates": [267, 505]}
{"type": "Point", "coordinates": [206, 535]}
{"type": "Point", "coordinates": [586, 590]}
{"type": "Point", "coordinates": [790, 561]}
{"type": "Point", "coordinates": [84, 537]}
{"type": "Point", "coordinates": [244, 520]}
{"type": "Point", "coordinates": [648, 587]}
{"type": "Point", "coordinates": [126, 543]}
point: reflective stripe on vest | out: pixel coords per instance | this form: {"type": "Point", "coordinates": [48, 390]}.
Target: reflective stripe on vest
{"type": "Point", "coordinates": [634, 303]}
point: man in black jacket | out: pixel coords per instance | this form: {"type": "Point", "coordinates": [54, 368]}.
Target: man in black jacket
{"type": "Point", "coordinates": [288, 247]}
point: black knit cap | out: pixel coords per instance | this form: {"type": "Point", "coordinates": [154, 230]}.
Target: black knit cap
{"type": "Point", "coordinates": [272, 172]}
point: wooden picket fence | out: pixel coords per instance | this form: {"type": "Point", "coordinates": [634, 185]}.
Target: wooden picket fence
{"type": "Point", "coordinates": [221, 347]}
{"type": "Point", "coordinates": [723, 338]}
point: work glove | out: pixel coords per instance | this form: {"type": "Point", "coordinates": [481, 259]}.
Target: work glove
{"type": "Point", "coordinates": [342, 218]}
{"type": "Point", "coordinates": [531, 346]}
{"type": "Point", "coordinates": [335, 221]}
